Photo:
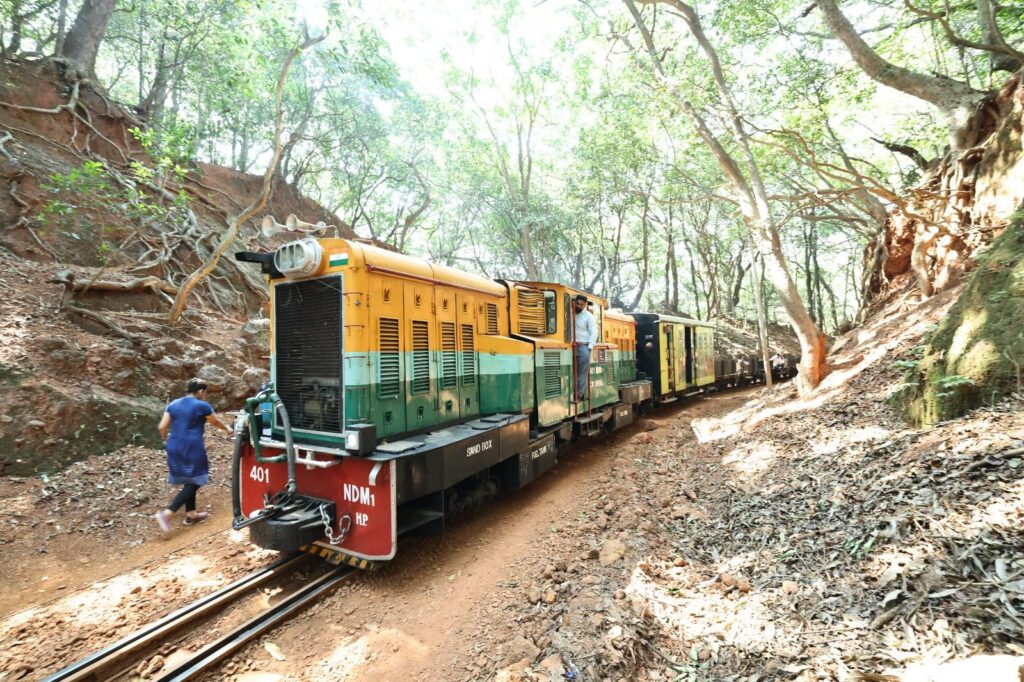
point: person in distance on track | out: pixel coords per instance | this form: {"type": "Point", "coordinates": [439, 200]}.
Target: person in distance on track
{"type": "Point", "coordinates": [583, 344]}
{"type": "Point", "coordinates": [182, 427]}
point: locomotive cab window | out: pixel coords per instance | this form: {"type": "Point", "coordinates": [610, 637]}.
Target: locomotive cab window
{"type": "Point", "coordinates": [551, 310]}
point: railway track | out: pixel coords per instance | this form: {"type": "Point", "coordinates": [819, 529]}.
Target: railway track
{"type": "Point", "coordinates": [116, 659]}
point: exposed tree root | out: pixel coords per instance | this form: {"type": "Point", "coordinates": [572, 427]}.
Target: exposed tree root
{"type": "Point", "coordinates": [106, 322]}
{"type": "Point", "coordinates": [139, 284]}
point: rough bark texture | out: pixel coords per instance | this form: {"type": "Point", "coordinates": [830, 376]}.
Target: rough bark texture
{"type": "Point", "coordinates": [964, 201]}
{"type": "Point", "coordinates": [83, 40]}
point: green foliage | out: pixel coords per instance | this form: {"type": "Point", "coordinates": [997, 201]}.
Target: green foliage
{"type": "Point", "coordinates": [91, 206]}
{"type": "Point", "coordinates": [975, 353]}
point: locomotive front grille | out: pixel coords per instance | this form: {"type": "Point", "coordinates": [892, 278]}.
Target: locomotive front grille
{"type": "Point", "coordinates": [307, 351]}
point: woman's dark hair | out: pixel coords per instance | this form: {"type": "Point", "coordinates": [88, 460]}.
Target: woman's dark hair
{"type": "Point", "coordinates": [195, 385]}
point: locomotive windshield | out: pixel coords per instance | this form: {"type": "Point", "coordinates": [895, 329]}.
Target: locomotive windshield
{"type": "Point", "coordinates": [307, 344]}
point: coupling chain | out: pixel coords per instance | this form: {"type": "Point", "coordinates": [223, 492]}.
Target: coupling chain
{"type": "Point", "coordinates": [344, 526]}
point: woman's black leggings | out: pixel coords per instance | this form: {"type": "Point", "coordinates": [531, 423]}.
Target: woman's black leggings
{"type": "Point", "coordinates": [186, 497]}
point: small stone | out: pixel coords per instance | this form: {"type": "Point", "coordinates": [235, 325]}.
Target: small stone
{"type": "Point", "coordinates": [550, 597]}
{"type": "Point", "coordinates": [728, 579]}
{"type": "Point", "coordinates": [790, 587]}
{"type": "Point", "coordinates": [743, 585]}
{"type": "Point", "coordinates": [153, 665]}
{"type": "Point", "coordinates": [611, 551]}
{"type": "Point", "coordinates": [36, 423]}
{"type": "Point", "coordinates": [679, 562]}
{"type": "Point", "coordinates": [554, 666]}
{"type": "Point", "coordinates": [520, 650]}
{"type": "Point", "coordinates": [533, 595]}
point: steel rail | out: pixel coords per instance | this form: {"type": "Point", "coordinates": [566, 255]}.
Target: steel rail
{"type": "Point", "coordinates": [245, 633]}
{"type": "Point", "coordinates": [92, 666]}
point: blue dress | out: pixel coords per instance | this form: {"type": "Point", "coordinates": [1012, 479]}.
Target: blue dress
{"type": "Point", "coordinates": [186, 452]}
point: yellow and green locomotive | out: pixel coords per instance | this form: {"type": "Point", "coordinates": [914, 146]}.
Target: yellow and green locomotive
{"type": "Point", "coordinates": [403, 392]}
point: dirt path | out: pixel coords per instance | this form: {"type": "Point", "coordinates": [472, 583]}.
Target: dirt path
{"type": "Point", "coordinates": [446, 608]}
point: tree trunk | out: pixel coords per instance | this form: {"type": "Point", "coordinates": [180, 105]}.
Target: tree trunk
{"type": "Point", "coordinates": [737, 285]}
{"type": "Point", "coordinates": [991, 34]}
{"type": "Point", "coordinates": [528, 259]}
{"type": "Point", "coordinates": [751, 196]}
{"type": "Point", "coordinates": [954, 99]}
{"type": "Point", "coordinates": [693, 282]}
{"type": "Point", "coordinates": [82, 42]}
{"type": "Point", "coordinates": [762, 321]}
{"type": "Point", "coordinates": [62, 19]}
{"type": "Point", "coordinates": [808, 275]}
{"type": "Point", "coordinates": [645, 256]}
{"type": "Point", "coordinates": [153, 103]}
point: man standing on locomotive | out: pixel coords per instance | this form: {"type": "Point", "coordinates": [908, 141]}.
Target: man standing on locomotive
{"type": "Point", "coordinates": [583, 344]}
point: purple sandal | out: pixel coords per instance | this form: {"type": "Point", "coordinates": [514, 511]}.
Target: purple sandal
{"type": "Point", "coordinates": [198, 518]}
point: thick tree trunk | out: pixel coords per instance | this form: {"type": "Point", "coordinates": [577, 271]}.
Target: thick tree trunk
{"type": "Point", "coordinates": [954, 99]}
{"type": "Point", "coordinates": [82, 42]}
{"type": "Point", "coordinates": [991, 34]}
{"type": "Point", "coordinates": [751, 196]}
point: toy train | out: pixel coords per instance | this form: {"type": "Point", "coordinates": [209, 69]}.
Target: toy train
{"type": "Point", "coordinates": [403, 392]}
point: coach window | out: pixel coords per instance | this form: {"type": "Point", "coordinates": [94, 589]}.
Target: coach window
{"type": "Point", "coordinates": [551, 310]}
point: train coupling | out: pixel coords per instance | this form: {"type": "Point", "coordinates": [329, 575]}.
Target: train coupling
{"type": "Point", "coordinates": [289, 524]}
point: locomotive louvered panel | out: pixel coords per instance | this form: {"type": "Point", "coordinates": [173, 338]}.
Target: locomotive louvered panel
{"type": "Point", "coordinates": [389, 382]}
{"type": "Point", "coordinates": [420, 357]}
{"type": "Point", "coordinates": [449, 356]}
{"type": "Point", "coordinates": [307, 343]}
{"type": "Point", "coordinates": [492, 318]}
{"type": "Point", "coordinates": [468, 356]}
{"type": "Point", "coordinates": [532, 313]}
{"type": "Point", "coordinates": [552, 373]}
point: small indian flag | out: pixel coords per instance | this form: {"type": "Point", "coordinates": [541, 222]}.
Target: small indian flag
{"type": "Point", "coordinates": [339, 259]}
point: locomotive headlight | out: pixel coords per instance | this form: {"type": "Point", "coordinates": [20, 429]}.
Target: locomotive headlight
{"type": "Point", "coordinates": [299, 259]}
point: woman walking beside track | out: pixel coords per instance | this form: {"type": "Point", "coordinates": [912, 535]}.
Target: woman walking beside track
{"type": "Point", "coordinates": [187, 464]}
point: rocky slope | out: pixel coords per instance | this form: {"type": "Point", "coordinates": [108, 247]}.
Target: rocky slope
{"type": "Point", "coordinates": [97, 234]}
